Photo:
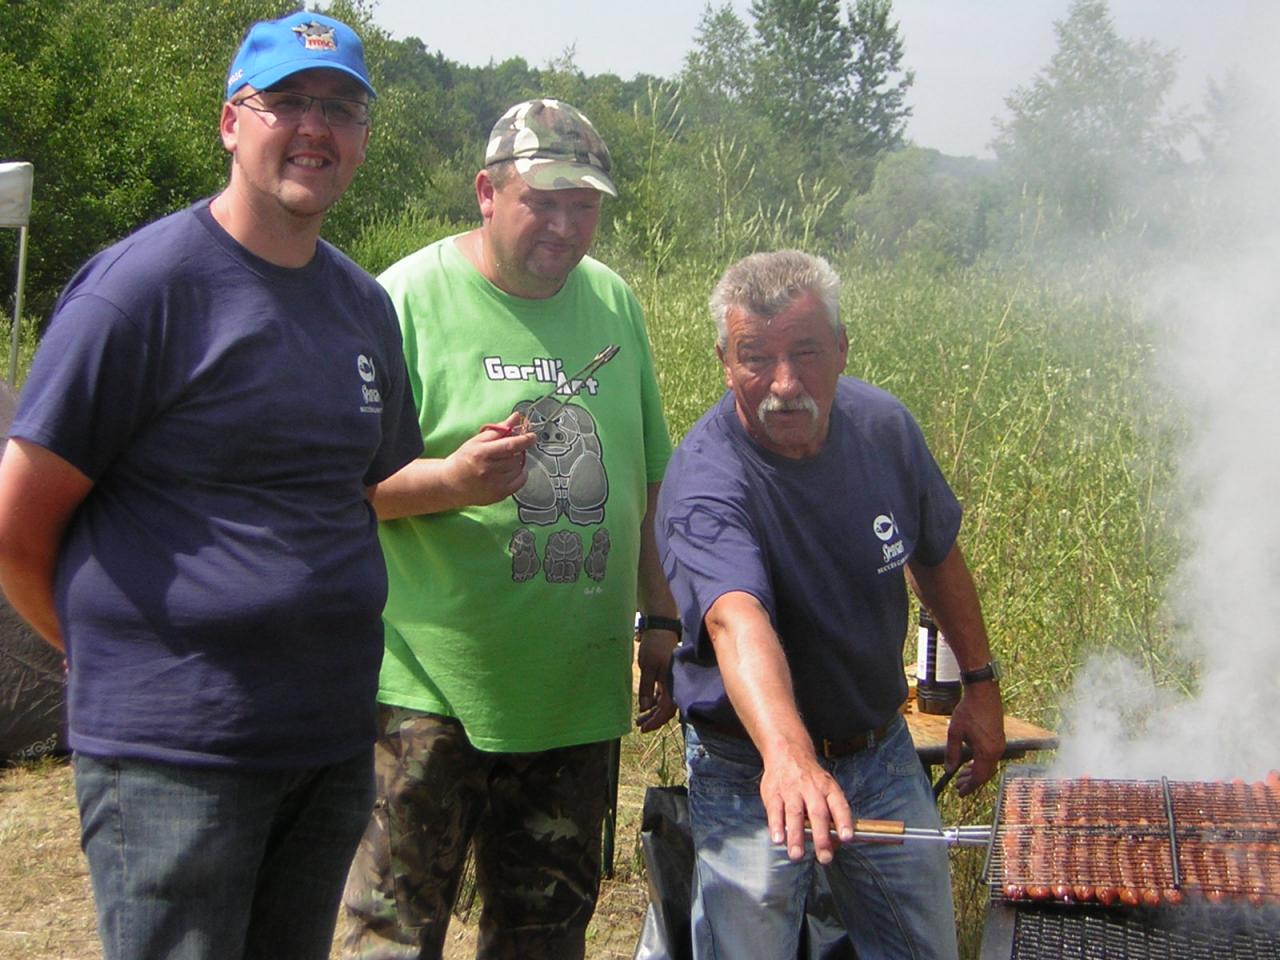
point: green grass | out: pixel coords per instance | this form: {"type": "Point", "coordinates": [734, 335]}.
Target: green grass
{"type": "Point", "coordinates": [28, 337]}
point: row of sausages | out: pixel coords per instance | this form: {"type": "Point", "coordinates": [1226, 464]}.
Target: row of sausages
{"type": "Point", "coordinates": [1233, 804]}
{"type": "Point", "coordinates": [1054, 844]}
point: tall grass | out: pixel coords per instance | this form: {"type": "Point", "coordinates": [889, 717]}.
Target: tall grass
{"type": "Point", "coordinates": [392, 236]}
{"type": "Point", "coordinates": [1039, 407]}
{"type": "Point", "coordinates": [28, 338]}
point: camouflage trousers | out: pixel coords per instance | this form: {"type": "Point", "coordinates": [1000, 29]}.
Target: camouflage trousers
{"type": "Point", "coordinates": [534, 821]}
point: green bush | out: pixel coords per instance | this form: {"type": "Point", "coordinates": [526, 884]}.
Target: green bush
{"type": "Point", "coordinates": [389, 238]}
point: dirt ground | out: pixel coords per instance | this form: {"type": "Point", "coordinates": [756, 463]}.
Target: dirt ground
{"type": "Point", "coordinates": [46, 907]}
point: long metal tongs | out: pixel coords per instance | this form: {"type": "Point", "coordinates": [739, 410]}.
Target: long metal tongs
{"type": "Point", "coordinates": [580, 378]}
{"type": "Point", "coordinates": [573, 384]}
{"type": "Point", "coordinates": [895, 831]}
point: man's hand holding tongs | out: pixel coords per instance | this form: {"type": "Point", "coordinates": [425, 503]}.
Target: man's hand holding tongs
{"type": "Point", "coordinates": [491, 465]}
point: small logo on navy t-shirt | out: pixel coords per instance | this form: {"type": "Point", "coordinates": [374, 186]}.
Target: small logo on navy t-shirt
{"type": "Point", "coordinates": [886, 529]}
{"type": "Point", "coordinates": [371, 395]}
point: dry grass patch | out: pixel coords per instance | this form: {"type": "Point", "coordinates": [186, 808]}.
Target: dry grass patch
{"type": "Point", "coordinates": [46, 904]}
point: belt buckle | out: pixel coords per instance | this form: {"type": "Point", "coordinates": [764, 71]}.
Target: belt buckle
{"type": "Point", "coordinates": [832, 749]}
{"type": "Point", "coordinates": [835, 749]}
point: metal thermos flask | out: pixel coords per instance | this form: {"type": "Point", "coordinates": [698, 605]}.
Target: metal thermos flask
{"type": "Point", "coordinates": [937, 671]}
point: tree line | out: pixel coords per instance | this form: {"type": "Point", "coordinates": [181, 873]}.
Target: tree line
{"type": "Point", "coordinates": [787, 127]}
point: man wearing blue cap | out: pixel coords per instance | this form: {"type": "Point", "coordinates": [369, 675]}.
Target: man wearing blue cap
{"type": "Point", "coordinates": [185, 510]}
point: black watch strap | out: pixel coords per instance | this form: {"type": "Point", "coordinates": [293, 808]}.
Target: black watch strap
{"type": "Point", "coordinates": [991, 671]}
{"type": "Point", "coordinates": [646, 622]}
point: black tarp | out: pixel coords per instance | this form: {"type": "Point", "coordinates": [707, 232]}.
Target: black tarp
{"type": "Point", "coordinates": [32, 685]}
{"type": "Point", "coordinates": [667, 845]}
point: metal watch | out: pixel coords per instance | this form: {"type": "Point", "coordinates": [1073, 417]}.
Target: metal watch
{"type": "Point", "coordinates": [992, 671]}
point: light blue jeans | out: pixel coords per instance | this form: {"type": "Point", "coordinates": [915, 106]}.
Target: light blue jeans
{"type": "Point", "coordinates": [195, 863]}
{"type": "Point", "coordinates": [749, 900]}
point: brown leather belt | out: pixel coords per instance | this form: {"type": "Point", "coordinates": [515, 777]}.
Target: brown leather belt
{"type": "Point", "coordinates": [850, 745]}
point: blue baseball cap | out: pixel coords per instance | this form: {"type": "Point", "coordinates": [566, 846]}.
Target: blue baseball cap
{"type": "Point", "coordinates": [275, 49]}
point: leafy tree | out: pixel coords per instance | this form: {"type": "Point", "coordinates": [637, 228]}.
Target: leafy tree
{"type": "Point", "coordinates": [923, 203]}
{"type": "Point", "coordinates": [718, 68]}
{"type": "Point", "coordinates": [795, 108]}
{"type": "Point", "coordinates": [1090, 134]}
{"type": "Point", "coordinates": [878, 107]}
{"type": "Point", "coordinates": [828, 80]}
{"type": "Point", "coordinates": [813, 92]}
{"type": "Point", "coordinates": [801, 75]}
{"type": "Point", "coordinates": [115, 103]}
{"type": "Point", "coordinates": [484, 93]}
{"type": "Point", "coordinates": [416, 128]}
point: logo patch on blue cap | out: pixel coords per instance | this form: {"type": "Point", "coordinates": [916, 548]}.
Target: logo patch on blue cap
{"type": "Point", "coordinates": [316, 36]}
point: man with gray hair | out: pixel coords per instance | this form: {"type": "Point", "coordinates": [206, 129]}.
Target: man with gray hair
{"type": "Point", "coordinates": [519, 552]}
{"type": "Point", "coordinates": [788, 517]}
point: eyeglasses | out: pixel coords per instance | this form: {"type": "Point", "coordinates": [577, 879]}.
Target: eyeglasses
{"type": "Point", "coordinates": [289, 107]}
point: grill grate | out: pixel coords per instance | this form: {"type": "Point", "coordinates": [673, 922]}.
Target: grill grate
{"type": "Point", "coordinates": [1095, 933]}
{"type": "Point", "coordinates": [1135, 842]}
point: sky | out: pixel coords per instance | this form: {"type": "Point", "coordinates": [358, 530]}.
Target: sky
{"type": "Point", "coordinates": [968, 55]}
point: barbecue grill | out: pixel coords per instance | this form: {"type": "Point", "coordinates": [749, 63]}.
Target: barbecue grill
{"type": "Point", "coordinates": [1095, 868]}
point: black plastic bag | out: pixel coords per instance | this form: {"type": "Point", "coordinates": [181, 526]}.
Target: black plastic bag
{"type": "Point", "coordinates": [667, 844]}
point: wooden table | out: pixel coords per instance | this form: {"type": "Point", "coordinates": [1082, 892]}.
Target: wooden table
{"type": "Point", "coordinates": [929, 731]}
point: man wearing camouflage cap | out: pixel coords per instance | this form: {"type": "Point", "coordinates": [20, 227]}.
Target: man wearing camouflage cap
{"type": "Point", "coordinates": [518, 550]}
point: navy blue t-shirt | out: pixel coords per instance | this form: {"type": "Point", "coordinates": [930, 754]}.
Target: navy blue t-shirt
{"type": "Point", "coordinates": [221, 588]}
{"type": "Point", "coordinates": [820, 542]}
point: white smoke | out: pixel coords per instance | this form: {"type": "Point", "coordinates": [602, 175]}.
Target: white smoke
{"type": "Point", "coordinates": [1219, 307]}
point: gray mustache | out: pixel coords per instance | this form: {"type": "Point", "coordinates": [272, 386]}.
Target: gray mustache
{"type": "Point", "coordinates": [772, 404]}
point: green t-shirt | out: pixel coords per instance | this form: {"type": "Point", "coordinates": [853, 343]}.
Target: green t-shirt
{"type": "Point", "coordinates": [517, 617]}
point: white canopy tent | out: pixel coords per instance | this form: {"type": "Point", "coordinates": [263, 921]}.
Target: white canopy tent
{"type": "Point", "coordinates": [15, 211]}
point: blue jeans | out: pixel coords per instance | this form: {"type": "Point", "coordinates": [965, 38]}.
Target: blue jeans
{"type": "Point", "coordinates": [749, 900]}
{"type": "Point", "coordinates": [193, 863]}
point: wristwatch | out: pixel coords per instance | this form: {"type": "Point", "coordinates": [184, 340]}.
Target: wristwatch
{"type": "Point", "coordinates": [645, 622]}
{"type": "Point", "coordinates": [992, 671]}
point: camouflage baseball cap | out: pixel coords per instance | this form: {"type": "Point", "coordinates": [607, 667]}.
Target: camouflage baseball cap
{"type": "Point", "coordinates": [553, 145]}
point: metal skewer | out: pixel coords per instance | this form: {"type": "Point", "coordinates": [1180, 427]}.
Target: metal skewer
{"type": "Point", "coordinates": [580, 378]}
{"type": "Point", "coordinates": [895, 831]}
{"type": "Point", "coordinates": [570, 391]}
